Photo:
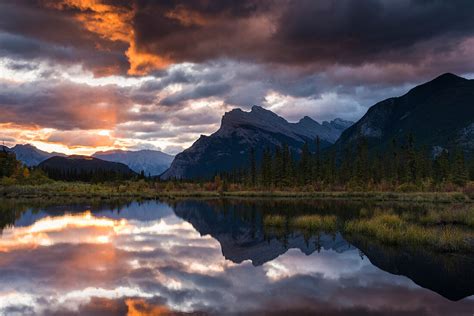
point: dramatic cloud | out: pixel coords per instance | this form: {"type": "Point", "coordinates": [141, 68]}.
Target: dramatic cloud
{"type": "Point", "coordinates": [144, 69]}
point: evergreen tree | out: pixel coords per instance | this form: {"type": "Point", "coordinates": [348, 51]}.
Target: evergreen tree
{"type": "Point", "coordinates": [253, 167]}
{"type": "Point", "coordinates": [266, 168]}
{"type": "Point", "coordinates": [317, 168]}
{"type": "Point", "coordinates": [361, 174]}
{"type": "Point", "coordinates": [304, 169]}
{"type": "Point", "coordinates": [345, 170]}
{"type": "Point", "coordinates": [459, 171]}
{"type": "Point", "coordinates": [441, 170]}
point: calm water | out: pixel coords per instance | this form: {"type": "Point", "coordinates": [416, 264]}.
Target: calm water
{"type": "Point", "coordinates": [212, 257]}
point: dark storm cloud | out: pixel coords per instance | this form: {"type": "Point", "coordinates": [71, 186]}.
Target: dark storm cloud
{"type": "Point", "coordinates": [357, 31]}
{"type": "Point", "coordinates": [289, 32]}
{"type": "Point", "coordinates": [33, 31]}
{"type": "Point", "coordinates": [197, 92]}
{"type": "Point", "coordinates": [295, 32]}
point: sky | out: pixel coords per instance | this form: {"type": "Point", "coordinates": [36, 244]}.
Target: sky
{"type": "Point", "coordinates": [78, 76]}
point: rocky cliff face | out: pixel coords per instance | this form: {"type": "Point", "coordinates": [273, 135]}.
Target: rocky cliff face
{"type": "Point", "coordinates": [228, 148]}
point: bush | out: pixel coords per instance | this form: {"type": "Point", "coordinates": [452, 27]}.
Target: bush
{"type": "Point", "coordinates": [469, 190]}
{"type": "Point", "coordinates": [408, 187]}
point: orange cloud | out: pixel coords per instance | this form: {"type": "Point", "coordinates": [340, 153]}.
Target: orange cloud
{"type": "Point", "coordinates": [110, 22]}
{"type": "Point", "coordinates": [142, 63]}
{"type": "Point", "coordinates": [76, 228]}
{"type": "Point", "coordinates": [80, 138]}
{"type": "Point", "coordinates": [139, 307]}
{"type": "Point", "coordinates": [115, 24]}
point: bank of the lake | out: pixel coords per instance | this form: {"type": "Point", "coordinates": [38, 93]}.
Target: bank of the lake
{"type": "Point", "coordinates": [141, 189]}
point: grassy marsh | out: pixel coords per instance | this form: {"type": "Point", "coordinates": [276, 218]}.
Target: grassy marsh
{"type": "Point", "coordinates": [445, 229]}
{"type": "Point", "coordinates": [168, 190]}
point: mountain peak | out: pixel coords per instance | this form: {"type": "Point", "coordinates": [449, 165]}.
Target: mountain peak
{"type": "Point", "coordinates": [306, 119]}
{"type": "Point", "coordinates": [445, 80]}
{"type": "Point", "coordinates": [448, 77]}
{"type": "Point", "coordinates": [257, 116]}
{"type": "Point", "coordinates": [26, 146]}
{"type": "Point", "coordinates": [259, 109]}
{"type": "Point", "coordinates": [442, 82]}
{"type": "Point", "coordinates": [228, 148]}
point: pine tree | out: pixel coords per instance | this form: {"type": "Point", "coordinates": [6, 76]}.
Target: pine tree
{"type": "Point", "coordinates": [266, 168]}
{"type": "Point", "coordinates": [441, 169]}
{"type": "Point", "coordinates": [253, 167]}
{"type": "Point", "coordinates": [304, 169]}
{"type": "Point", "coordinates": [345, 170]}
{"type": "Point", "coordinates": [411, 169]}
{"type": "Point", "coordinates": [459, 170]}
{"type": "Point", "coordinates": [318, 161]}
{"type": "Point", "coordinates": [361, 172]}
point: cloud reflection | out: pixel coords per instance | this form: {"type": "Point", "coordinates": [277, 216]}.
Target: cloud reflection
{"type": "Point", "coordinates": [104, 264]}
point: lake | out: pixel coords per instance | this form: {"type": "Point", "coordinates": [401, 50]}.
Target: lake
{"type": "Point", "coordinates": [213, 257]}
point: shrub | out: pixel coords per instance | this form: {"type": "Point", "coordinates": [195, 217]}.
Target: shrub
{"type": "Point", "coordinates": [408, 187]}
{"type": "Point", "coordinates": [469, 190]}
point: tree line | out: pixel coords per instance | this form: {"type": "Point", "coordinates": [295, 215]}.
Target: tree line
{"type": "Point", "coordinates": [13, 171]}
{"type": "Point", "coordinates": [402, 164]}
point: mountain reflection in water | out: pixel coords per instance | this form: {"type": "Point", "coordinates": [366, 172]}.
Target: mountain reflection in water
{"type": "Point", "coordinates": [212, 257]}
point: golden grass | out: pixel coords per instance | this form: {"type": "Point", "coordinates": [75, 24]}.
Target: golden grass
{"type": "Point", "coordinates": [312, 222]}
{"type": "Point", "coordinates": [394, 229]}
{"type": "Point", "coordinates": [274, 221]}
{"type": "Point", "coordinates": [315, 222]}
{"type": "Point", "coordinates": [171, 190]}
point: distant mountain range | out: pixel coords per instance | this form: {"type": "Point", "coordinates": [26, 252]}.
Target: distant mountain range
{"type": "Point", "coordinates": [439, 114]}
{"type": "Point", "coordinates": [152, 162]}
{"type": "Point", "coordinates": [31, 156]}
{"type": "Point", "coordinates": [229, 147]}
{"type": "Point", "coordinates": [84, 168]}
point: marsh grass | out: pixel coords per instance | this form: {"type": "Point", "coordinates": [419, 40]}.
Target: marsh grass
{"type": "Point", "coordinates": [274, 221]}
{"type": "Point", "coordinates": [153, 189]}
{"type": "Point", "coordinates": [394, 229]}
{"type": "Point", "coordinates": [315, 222]}
{"type": "Point", "coordinates": [307, 223]}
{"type": "Point", "coordinates": [443, 228]}
{"type": "Point", "coordinates": [454, 216]}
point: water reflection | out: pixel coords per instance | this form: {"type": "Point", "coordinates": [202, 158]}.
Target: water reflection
{"type": "Point", "coordinates": [209, 257]}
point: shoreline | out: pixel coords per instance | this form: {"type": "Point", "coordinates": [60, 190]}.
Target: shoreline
{"type": "Point", "coordinates": [101, 191]}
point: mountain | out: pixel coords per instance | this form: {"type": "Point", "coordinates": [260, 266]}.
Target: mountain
{"type": "Point", "coordinates": [439, 114]}
{"type": "Point", "coordinates": [152, 162]}
{"type": "Point", "coordinates": [31, 156]}
{"type": "Point", "coordinates": [84, 168]}
{"type": "Point", "coordinates": [228, 148]}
